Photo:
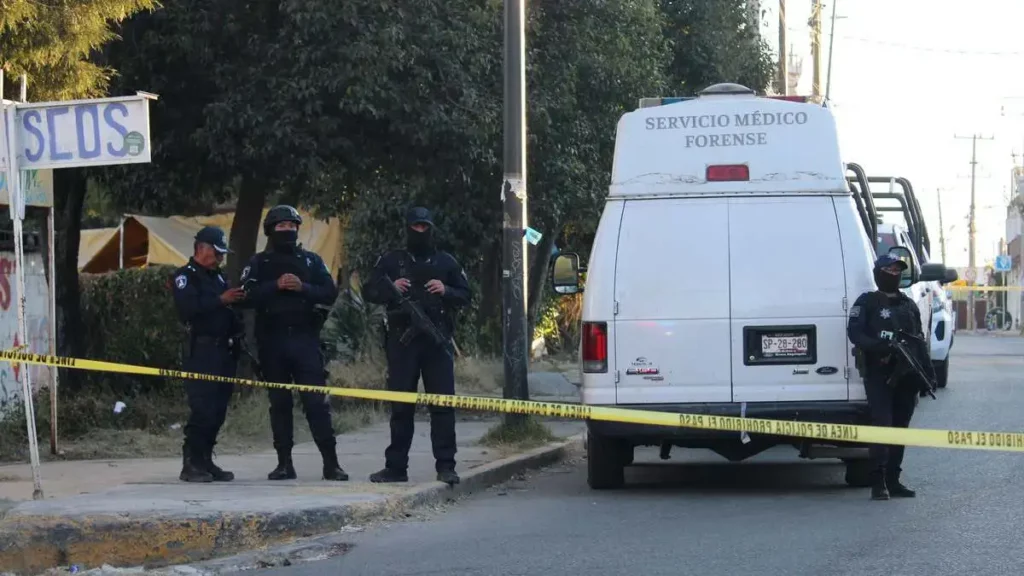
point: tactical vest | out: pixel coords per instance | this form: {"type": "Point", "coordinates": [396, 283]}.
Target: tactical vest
{"type": "Point", "coordinates": [419, 272]}
{"type": "Point", "coordinates": [285, 308]}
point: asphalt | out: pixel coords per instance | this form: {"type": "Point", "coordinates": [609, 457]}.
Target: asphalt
{"type": "Point", "coordinates": [773, 514]}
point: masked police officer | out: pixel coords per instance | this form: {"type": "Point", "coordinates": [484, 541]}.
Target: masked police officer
{"type": "Point", "coordinates": [285, 283]}
{"type": "Point", "coordinates": [203, 299]}
{"type": "Point", "coordinates": [434, 280]}
{"type": "Point", "coordinates": [874, 318]}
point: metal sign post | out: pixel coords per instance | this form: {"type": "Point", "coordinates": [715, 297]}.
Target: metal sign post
{"type": "Point", "coordinates": [98, 132]}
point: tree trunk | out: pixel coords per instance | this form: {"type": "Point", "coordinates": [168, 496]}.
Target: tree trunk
{"type": "Point", "coordinates": [69, 187]}
{"type": "Point", "coordinates": [245, 228]}
{"type": "Point", "coordinates": [539, 264]}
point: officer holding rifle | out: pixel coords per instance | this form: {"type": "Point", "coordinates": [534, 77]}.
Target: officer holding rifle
{"type": "Point", "coordinates": [885, 329]}
{"type": "Point", "coordinates": [422, 287]}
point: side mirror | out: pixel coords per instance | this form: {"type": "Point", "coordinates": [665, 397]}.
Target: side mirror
{"type": "Point", "coordinates": [910, 275]}
{"type": "Point", "coordinates": [565, 273]}
{"type": "Point", "coordinates": [933, 272]}
{"type": "Point", "coordinates": [951, 276]}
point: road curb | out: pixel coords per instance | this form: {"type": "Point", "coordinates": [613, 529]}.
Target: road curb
{"type": "Point", "coordinates": [32, 544]}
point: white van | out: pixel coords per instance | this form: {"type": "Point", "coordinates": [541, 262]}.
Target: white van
{"type": "Point", "coordinates": [727, 256]}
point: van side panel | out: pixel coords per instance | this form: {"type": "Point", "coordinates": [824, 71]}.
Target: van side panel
{"type": "Point", "coordinates": [672, 289]}
{"type": "Point", "coordinates": [786, 263]}
{"type": "Point", "coordinates": [599, 300]}
{"type": "Point", "coordinates": [858, 250]}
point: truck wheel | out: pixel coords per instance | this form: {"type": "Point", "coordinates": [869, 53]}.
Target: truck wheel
{"type": "Point", "coordinates": [941, 372]}
{"type": "Point", "coordinates": [606, 462]}
{"type": "Point", "coordinates": [858, 473]}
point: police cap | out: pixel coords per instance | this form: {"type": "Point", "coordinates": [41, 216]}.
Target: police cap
{"type": "Point", "coordinates": [886, 260]}
{"type": "Point", "coordinates": [418, 215]}
{"type": "Point", "coordinates": [213, 236]}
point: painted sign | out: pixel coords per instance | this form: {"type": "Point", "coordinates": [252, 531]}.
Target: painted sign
{"type": "Point", "coordinates": [1003, 263]}
{"type": "Point", "coordinates": [98, 132]}
{"type": "Point", "coordinates": [37, 320]}
{"type": "Point", "coordinates": [38, 188]}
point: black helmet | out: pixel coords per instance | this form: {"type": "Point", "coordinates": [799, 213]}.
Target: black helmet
{"type": "Point", "coordinates": [280, 213]}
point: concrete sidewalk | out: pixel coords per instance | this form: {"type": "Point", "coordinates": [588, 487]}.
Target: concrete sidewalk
{"type": "Point", "coordinates": [137, 512]}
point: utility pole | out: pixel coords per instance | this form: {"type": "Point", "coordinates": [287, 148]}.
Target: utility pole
{"type": "Point", "coordinates": [970, 226]}
{"type": "Point", "coordinates": [831, 41]}
{"type": "Point", "coordinates": [815, 24]}
{"type": "Point", "coordinates": [783, 72]}
{"type": "Point", "coordinates": [942, 229]}
{"type": "Point", "coordinates": [513, 199]}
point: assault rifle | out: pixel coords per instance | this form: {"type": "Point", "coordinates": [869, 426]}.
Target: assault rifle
{"type": "Point", "coordinates": [421, 323]}
{"type": "Point", "coordinates": [906, 351]}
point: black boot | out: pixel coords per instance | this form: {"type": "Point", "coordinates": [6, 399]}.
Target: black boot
{"type": "Point", "coordinates": [896, 488]}
{"type": "Point", "coordinates": [448, 476]}
{"type": "Point", "coordinates": [387, 475]}
{"type": "Point", "coordinates": [878, 489]}
{"type": "Point", "coordinates": [332, 470]}
{"type": "Point", "coordinates": [218, 474]}
{"type": "Point", "coordinates": [193, 468]}
{"type": "Point", "coordinates": [285, 470]}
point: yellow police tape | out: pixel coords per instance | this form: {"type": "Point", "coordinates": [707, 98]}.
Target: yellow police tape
{"type": "Point", "coordinates": [859, 434]}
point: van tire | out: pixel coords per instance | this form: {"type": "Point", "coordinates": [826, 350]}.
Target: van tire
{"type": "Point", "coordinates": [858, 473]}
{"type": "Point", "coordinates": [941, 372]}
{"type": "Point", "coordinates": [606, 462]}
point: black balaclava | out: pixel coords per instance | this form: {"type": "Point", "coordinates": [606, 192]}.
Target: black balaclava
{"type": "Point", "coordinates": [420, 243]}
{"type": "Point", "coordinates": [886, 282]}
{"type": "Point", "coordinates": [284, 240]}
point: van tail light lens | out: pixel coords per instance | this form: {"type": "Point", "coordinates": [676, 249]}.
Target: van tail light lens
{"type": "Point", "coordinates": [728, 173]}
{"type": "Point", "coordinates": [595, 347]}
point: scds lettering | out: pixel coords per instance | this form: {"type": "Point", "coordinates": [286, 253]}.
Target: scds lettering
{"type": "Point", "coordinates": [45, 139]}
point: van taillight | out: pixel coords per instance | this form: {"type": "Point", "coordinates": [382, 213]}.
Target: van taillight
{"type": "Point", "coordinates": [595, 347]}
{"type": "Point", "coordinates": [728, 173]}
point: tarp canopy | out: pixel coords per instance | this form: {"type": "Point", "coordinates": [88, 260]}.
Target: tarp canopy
{"type": "Point", "coordinates": [153, 240]}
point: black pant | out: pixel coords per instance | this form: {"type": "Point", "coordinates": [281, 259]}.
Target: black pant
{"type": "Point", "coordinates": [890, 406]}
{"type": "Point", "coordinates": [208, 401]}
{"type": "Point", "coordinates": [294, 356]}
{"type": "Point", "coordinates": [405, 365]}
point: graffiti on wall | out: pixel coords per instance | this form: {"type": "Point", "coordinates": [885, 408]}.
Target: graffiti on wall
{"type": "Point", "coordinates": [37, 320]}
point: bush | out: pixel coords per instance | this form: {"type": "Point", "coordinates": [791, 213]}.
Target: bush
{"type": "Point", "coordinates": [129, 317]}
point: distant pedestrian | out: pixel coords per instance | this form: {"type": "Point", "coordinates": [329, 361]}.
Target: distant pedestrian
{"type": "Point", "coordinates": [288, 285]}
{"type": "Point", "coordinates": [203, 300]}
{"type": "Point", "coordinates": [436, 281]}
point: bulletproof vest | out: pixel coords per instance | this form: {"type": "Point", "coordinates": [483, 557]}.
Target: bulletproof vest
{"type": "Point", "coordinates": [285, 307]}
{"type": "Point", "coordinates": [419, 272]}
{"type": "Point", "coordinates": [887, 315]}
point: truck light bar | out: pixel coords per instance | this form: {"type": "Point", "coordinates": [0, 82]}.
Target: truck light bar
{"type": "Point", "coordinates": [652, 102]}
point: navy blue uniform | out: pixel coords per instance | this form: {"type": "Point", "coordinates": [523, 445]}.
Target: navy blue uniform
{"type": "Point", "coordinates": [420, 356]}
{"type": "Point", "coordinates": [288, 337]}
{"type": "Point", "coordinates": [212, 326]}
{"type": "Point", "coordinates": [872, 316]}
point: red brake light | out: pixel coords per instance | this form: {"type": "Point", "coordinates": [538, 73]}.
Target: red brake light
{"type": "Point", "coordinates": [803, 99]}
{"type": "Point", "coordinates": [728, 173]}
{"type": "Point", "coordinates": [595, 347]}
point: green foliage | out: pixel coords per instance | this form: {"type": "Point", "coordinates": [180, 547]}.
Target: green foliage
{"type": "Point", "coordinates": [716, 41]}
{"type": "Point", "coordinates": [53, 41]}
{"type": "Point", "coordinates": [129, 316]}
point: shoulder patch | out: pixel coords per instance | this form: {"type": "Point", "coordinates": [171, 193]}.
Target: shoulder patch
{"type": "Point", "coordinates": [245, 273]}
{"type": "Point", "coordinates": [181, 281]}
{"type": "Point", "coordinates": [855, 312]}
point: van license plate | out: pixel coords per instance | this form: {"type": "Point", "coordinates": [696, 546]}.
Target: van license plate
{"type": "Point", "coordinates": [783, 346]}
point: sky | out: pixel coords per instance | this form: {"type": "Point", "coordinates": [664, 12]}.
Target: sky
{"type": "Point", "coordinates": [907, 77]}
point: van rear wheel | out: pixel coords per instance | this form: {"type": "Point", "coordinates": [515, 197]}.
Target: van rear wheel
{"type": "Point", "coordinates": [606, 462]}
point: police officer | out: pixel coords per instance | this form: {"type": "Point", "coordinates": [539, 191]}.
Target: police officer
{"type": "Point", "coordinates": [874, 317]}
{"type": "Point", "coordinates": [435, 280]}
{"type": "Point", "coordinates": [203, 300]}
{"type": "Point", "coordinates": [284, 284]}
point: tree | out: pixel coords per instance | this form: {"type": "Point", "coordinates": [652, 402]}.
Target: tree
{"type": "Point", "coordinates": [716, 41]}
{"type": "Point", "coordinates": [54, 44]}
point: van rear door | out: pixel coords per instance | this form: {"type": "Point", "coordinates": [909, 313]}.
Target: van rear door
{"type": "Point", "coordinates": [672, 300]}
{"type": "Point", "coordinates": [788, 300]}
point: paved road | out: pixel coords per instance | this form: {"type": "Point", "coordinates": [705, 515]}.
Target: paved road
{"type": "Point", "coordinates": [770, 515]}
